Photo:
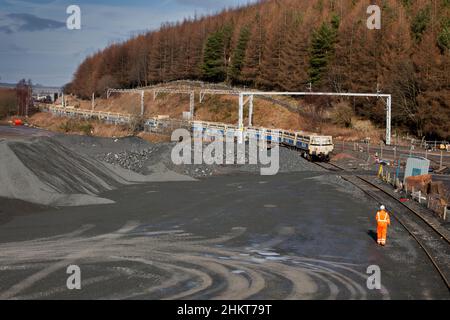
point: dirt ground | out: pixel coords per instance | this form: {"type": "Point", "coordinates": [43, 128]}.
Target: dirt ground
{"type": "Point", "coordinates": [292, 236]}
{"type": "Point", "coordinates": [301, 234]}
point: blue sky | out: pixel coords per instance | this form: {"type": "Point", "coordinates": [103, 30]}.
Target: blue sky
{"type": "Point", "coordinates": [35, 42]}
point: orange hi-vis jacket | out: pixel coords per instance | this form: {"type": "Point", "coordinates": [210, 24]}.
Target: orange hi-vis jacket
{"type": "Point", "coordinates": [383, 219]}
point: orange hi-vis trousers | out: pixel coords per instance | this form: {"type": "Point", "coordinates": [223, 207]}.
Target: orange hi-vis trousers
{"type": "Point", "coordinates": [383, 221]}
{"type": "Point", "coordinates": [381, 234]}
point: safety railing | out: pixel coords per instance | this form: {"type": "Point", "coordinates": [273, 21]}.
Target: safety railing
{"type": "Point", "coordinates": [166, 125]}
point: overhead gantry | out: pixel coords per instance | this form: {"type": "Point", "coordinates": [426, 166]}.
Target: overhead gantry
{"type": "Point", "coordinates": [247, 97]}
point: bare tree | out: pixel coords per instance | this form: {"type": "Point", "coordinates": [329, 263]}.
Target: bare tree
{"type": "Point", "coordinates": [405, 88]}
{"type": "Point", "coordinates": [24, 93]}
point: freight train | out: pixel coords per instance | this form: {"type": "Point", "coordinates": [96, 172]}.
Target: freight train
{"type": "Point", "coordinates": [311, 146]}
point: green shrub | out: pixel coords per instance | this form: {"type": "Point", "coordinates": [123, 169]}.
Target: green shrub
{"type": "Point", "coordinates": [86, 128]}
{"type": "Point", "coordinates": [75, 125]}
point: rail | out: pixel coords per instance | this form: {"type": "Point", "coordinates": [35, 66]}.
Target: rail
{"type": "Point", "coordinates": [429, 236]}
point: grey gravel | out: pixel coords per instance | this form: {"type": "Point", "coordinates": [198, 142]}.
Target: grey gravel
{"type": "Point", "coordinates": [141, 161]}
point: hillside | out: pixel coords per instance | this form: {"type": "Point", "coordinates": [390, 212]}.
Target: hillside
{"type": "Point", "coordinates": [274, 112]}
{"type": "Point", "coordinates": [287, 44]}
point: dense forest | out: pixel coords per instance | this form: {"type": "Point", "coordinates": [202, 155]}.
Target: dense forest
{"type": "Point", "coordinates": [293, 44]}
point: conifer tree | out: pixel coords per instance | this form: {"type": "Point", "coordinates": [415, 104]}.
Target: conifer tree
{"type": "Point", "coordinates": [216, 54]}
{"type": "Point", "coordinates": [322, 48]}
{"type": "Point", "coordinates": [237, 61]}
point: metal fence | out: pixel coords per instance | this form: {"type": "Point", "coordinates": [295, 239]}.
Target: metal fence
{"type": "Point", "coordinates": [435, 202]}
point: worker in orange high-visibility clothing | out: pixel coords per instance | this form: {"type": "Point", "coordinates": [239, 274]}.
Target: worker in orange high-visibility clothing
{"type": "Point", "coordinates": [383, 221]}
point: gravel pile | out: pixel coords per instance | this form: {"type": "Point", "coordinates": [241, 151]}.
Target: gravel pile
{"type": "Point", "coordinates": [97, 147]}
{"type": "Point", "coordinates": [195, 171]}
{"type": "Point", "coordinates": [131, 160]}
{"type": "Point", "coordinates": [149, 160]}
{"type": "Point", "coordinates": [143, 157]}
{"type": "Point", "coordinates": [144, 161]}
{"type": "Point", "coordinates": [42, 170]}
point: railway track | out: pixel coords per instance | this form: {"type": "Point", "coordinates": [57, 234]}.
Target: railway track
{"type": "Point", "coordinates": [429, 236]}
{"type": "Point", "coordinates": [329, 166]}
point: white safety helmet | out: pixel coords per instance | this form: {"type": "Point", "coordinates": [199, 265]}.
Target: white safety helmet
{"type": "Point", "coordinates": [382, 207]}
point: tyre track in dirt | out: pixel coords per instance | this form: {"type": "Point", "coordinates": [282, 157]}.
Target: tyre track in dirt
{"type": "Point", "coordinates": [173, 264]}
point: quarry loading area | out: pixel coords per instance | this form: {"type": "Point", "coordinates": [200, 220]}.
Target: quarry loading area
{"type": "Point", "coordinates": [140, 227]}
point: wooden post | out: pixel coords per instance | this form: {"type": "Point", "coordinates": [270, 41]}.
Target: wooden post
{"type": "Point", "coordinates": [192, 105]}
{"type": "Point", "coordinates": [142, 103]}
{"type": "Point", "coordinates": [395, 153]}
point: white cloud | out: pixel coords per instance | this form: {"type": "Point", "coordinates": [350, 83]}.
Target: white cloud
{"type": "Point", "coordinates": [59, 51]}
